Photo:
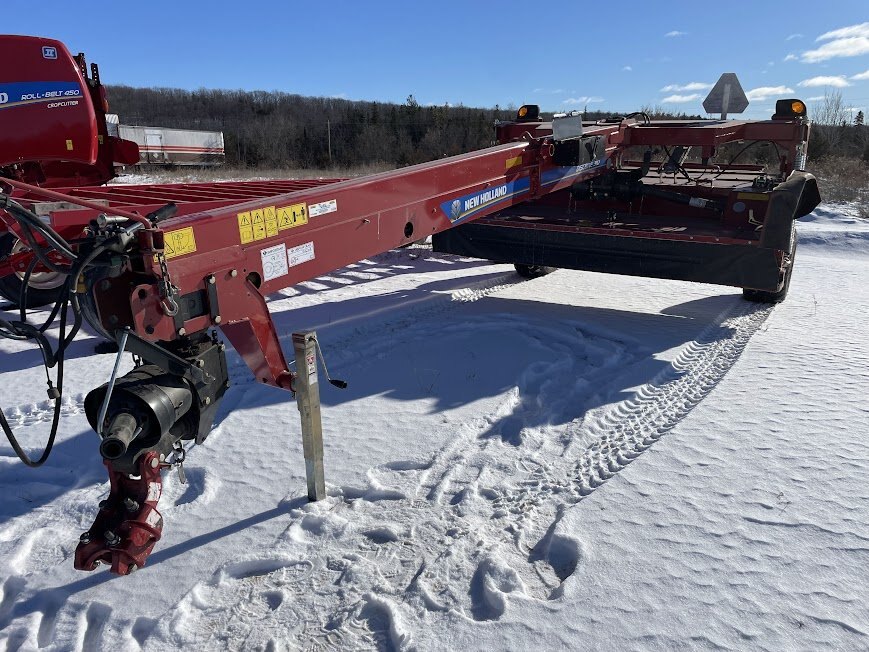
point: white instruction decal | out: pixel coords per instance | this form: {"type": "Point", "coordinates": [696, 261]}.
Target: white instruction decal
{"type": "Point", "coordinates": [274, 262]}
{"type": "Point", "coordinates": [323, 207]}
{"type": "Point", "coordinates": [301, 254]}
{"type": "Point", "coordinates": [311, 362]}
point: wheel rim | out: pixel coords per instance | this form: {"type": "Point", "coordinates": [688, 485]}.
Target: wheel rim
{"type": "Point", "coordinates": [38, 280]}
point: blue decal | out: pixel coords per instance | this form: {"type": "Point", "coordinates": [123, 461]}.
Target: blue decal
{"type": "Point", "coordinates": [49, 52]}
{"type": "Point", "coordinates": [18, 93]}
{"type": "Point", "coordinates": [551, 177]}
{"type": "Point", "coordinates": [463, 207]}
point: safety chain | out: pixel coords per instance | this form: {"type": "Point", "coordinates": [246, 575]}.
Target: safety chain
{"type": "Point", "coordinates": [167, 290]}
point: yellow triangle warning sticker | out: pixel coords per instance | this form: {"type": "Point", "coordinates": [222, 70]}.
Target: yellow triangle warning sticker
{"type": "Point", "coordinates": [179, 242]}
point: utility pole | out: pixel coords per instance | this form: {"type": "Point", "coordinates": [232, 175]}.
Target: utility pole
{"type": "Point", "coordinates": [329, 138]}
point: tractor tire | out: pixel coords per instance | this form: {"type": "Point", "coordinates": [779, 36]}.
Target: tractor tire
{"type": "Point", "coordinates": [44, 288]}
{"type": "Point", "coordinates": [761, 296]}
{"type": "Point", "coordinates": [533, 271]}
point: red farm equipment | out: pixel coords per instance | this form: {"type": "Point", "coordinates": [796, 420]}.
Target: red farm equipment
{"type": "Point", "coordinates": [161, 268]}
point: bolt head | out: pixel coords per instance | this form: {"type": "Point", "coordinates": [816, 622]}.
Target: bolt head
{"type": "Point", "coordinates": [85, 537]}
{"type": "Point", "coordinates": [155, 463]}
{"type": "Point", "coordinates": [234, 273]}
{"type": "Point", "coordinates": [200, 363]}
{"type": "Point", "coordinates": [212, 280]}
{"type": "Point", "coordinates": [182, 331]}
{"type": "Point", "coordinates": [207, 400]}
{"type": "Point", "coordinates": [217, 319]}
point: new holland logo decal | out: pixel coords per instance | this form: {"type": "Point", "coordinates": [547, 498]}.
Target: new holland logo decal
{"type": "Point", "coordinates": [464, 207]}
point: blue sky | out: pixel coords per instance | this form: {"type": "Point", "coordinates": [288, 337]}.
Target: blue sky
{"type": "Point", "coordinates": [615, 56]}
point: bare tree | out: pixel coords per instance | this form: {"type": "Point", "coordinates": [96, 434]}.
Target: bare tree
{"type": "Point", "coordinates": [831, 110]}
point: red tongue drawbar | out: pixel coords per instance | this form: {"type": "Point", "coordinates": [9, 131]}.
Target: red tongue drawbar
{"type": "Point", "coordinates": [128, 523]}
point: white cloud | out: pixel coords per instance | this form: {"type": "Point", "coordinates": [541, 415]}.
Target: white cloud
{"type": "Point", "coordinates": [843, 47]}
{"type": "Point", "coordinates": [576, 101]}
{"type": "Point", "coordinates": [679, 99]}
{"type": "Point", "coordinates": [846, 32]}
{"type": "Point", "coordinates": [848, 41]}
{"type": "Point", "coordinates": [627, 68]}
{"type": "Point", "coordinates": [766, 92]}
{"type": "Point", "coordinates": [691, 86]}
{"type": "Point", "coordinates": [793, 36]}
{"type": "Point", "coordinates": [836, 81]}
{"type": "Point", "coordinates": [790, 57]}
{"type": "Point", "coordinates": [675, 32]}
{"type": "Point", "coordinates": [816, 98]}
{"type": "Point", "coordinates": [861, 76]}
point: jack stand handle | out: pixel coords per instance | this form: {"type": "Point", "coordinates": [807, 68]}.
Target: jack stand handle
{"type": "Point", "coordinates": [340, 384]}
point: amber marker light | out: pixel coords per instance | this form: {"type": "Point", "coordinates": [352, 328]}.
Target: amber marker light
{"type": "Point", "coordinates": [528, 113]}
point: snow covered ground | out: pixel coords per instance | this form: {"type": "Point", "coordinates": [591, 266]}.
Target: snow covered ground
{"type": "Point", "coordinates": [574, 462]}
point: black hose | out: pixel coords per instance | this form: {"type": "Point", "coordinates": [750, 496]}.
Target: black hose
{"type": "Point", "coordinates": [23, 456]}
{"type": "Point", "coordinates": [32, 219]}
{"type": "Point", "coordinates": [21, 330]}
{"type": "Point", "coordinates": [37, 250]}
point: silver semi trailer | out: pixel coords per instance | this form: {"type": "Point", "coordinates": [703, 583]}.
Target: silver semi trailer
{"type": "Point", "coordinates": [164, 146]}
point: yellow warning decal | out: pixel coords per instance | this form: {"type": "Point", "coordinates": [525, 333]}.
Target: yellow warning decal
{"type": "Point", "coordinates": [180, 242]}
{"type": "Point", "coordinates": [271, 221]}
{"type": "Point", "coordinates": [513, 162]}
{"type": "Point", "coordinates": [267, 222]}
{"type": "Point", "coordinates": [245, 228]}
{"type": "Point", "coordinates": [293, 215]}
{"type": "Point", "coordinates": [258, 220]}
{"type": "Point", "coordinates": [752, 196]}
{"type": "Point", "coordinates": [69, 146]}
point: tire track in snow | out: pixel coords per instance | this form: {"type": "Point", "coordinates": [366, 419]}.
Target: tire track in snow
{"type": "Point", "coordinates": [476, 524]}
{"type": "Point", "coordinates": [619, 435]}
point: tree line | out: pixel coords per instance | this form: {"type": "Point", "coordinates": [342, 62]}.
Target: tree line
{"type": "Point", "coordinates": [281, 130]}
{"type": "Point", "coordinates": [837, 130]}
{"type": "Point", "coordinates": [274, 129]}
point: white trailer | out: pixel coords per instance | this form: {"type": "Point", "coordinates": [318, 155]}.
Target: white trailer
{"type": "Point", "coordinates": [164, 146]}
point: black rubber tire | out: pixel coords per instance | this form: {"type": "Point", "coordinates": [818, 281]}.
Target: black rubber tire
{"type": "Point", "coordinates": [533, 271]}
{"type": "Point", "coordinates": [10, 286]}
{"type": "Point", "coordinates": [760, 296]}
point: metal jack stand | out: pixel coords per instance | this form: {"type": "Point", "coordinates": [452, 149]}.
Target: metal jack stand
{"type": "Point", "coordinates": [308, 400]}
